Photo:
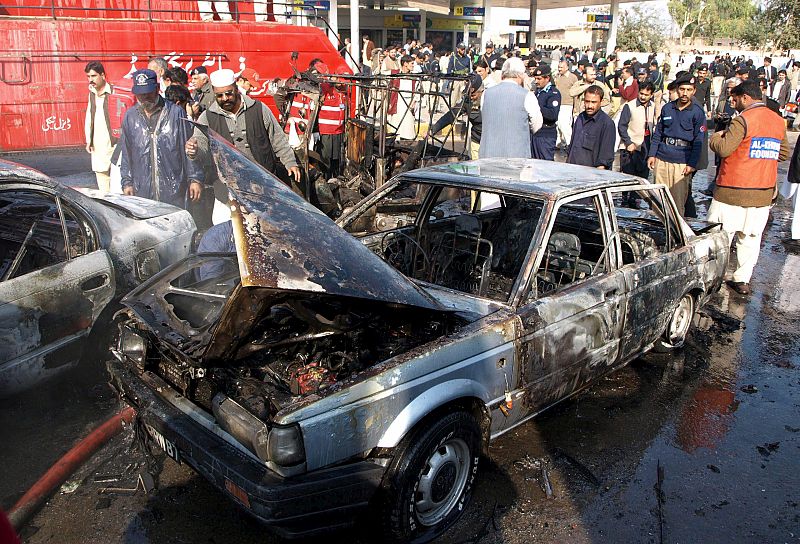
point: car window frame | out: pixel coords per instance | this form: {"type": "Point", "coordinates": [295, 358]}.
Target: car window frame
{"type": "Point", "coordinates": [669, 206]}
{"type": "Point", "coordinates": [426, 207]}
{"type": "Point", "coordinates": [73, 207]}
{"type": "Point", "coordinates": [539, 248]}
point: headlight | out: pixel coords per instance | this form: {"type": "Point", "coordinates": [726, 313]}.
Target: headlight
{"type": "Point", "coordinates": [147, 264]}
{"type": "Point", "coordinates": [133, 345]}
{"type": "Point", "coordinates": [285, 445]}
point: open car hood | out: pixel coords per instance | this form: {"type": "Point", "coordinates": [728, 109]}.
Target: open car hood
{"type": "Point", "coordinates": [285, 243]}
{"type": "Point", "coordinates": [284, 248]}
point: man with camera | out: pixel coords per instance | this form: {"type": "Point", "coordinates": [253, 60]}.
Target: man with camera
{"type": "Point", "coordinates": [750, 147]}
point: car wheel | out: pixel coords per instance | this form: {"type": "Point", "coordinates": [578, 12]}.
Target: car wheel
{"type": "Point", "coordinates": [430, 480]}
{"type": "Point", "coordinates": [678, 325]}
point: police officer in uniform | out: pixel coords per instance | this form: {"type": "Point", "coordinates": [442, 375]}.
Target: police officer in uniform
{"type": "Point", "coordinates": [543, 142]}
{"type": "Point", "coordinates": [678, 141]}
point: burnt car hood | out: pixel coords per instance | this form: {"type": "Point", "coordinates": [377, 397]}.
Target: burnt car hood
{"type": "Point", "coordinates": [284, 245]}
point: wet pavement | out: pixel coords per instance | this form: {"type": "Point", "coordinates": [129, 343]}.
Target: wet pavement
{"type": "Point", "coordinates": [702, 445]}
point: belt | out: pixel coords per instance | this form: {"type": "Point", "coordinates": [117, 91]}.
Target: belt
{"type": "Point", "coordinates": [677, 142]}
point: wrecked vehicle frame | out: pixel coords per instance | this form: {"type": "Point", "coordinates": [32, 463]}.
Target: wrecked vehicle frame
{"type": "Point", "coordinates": [317, 373]}
{"type": "Point", "coordinates": [66, 259]}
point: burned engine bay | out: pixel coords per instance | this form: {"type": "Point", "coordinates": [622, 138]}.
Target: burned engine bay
{"type": "Point", "coordinates": [306, 345]}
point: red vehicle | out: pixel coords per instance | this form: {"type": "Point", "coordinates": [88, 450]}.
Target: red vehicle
{"type": "Point", "coordinates": [45, 44]}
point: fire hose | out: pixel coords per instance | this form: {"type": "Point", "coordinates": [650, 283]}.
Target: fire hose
{"type": "Point", "coordinates": [56, 475]}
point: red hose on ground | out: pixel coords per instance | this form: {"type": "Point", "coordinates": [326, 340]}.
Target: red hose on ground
{"type": "Point", "coordinates": [36, 496]}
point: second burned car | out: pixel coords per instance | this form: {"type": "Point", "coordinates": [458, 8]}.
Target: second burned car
{"type": "Point", "coordinates": [323, 370]}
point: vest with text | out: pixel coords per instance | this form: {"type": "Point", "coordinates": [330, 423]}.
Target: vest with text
{"type": "Point", "coordinates": [754, 164]}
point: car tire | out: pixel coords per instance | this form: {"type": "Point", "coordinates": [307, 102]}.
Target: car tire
{"type": "Point", "coordinates": [429, 482]}
{"type": "Point", "coordinates": [678, 326]}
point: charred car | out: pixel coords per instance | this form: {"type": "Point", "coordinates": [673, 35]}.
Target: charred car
{"type": "Point", "coordinates": [323, 369]}
{"type": "Point", "coordinates": [66, 258]}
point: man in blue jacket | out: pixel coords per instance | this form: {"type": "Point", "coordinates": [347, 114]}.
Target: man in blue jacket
{"type": "Point", "coordinates": [154, 134]}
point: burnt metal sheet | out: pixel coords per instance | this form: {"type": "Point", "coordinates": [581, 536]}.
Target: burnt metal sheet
{"type": "Point", "coordinates": [523, 177]}
{"type": "Point", "coordinates": [285, 243]}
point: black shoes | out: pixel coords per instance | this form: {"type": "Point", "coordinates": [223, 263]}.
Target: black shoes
{"type": "Point", "coordinates": [739, 286]}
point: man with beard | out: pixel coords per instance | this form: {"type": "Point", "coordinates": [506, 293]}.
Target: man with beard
{"type": "Point", "coordinates": [677, 141]}
{"type": "Point", "coordinates": [248, 125]}
{"type": "Point", "coordinates": [154, 133]}
{"type": "Point", "coordinates": [750, 148]}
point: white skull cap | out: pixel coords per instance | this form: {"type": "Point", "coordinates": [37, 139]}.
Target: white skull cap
{"type": "Point", "coordinates": [223, 78]}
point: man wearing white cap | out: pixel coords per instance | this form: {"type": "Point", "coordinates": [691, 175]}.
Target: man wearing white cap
{"type": "Point", "coordinates": [250, 126]}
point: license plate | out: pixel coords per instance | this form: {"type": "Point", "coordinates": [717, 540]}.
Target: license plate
{"type": "Point", "coordinates": [166, 445]}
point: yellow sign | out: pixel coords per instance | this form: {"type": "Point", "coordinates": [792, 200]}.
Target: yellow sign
{"type": "Point", "coordinates": [458, 11]}
{"type": "Point", "coordinates": [395, 21]}
{"type": "Point", "coordinates": [452, 24]}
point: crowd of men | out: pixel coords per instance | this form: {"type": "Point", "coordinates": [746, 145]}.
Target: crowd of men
{"type": "Point", "coordinates": [594, 109]}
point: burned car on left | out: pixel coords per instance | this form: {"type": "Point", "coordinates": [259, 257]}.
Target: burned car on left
{"type": "Point", "coordinates": [66, 259]}
{"type": "Point", "coordinates": [327, 370]}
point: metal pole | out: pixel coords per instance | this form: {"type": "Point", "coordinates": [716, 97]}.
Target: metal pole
{"type": "Point", "coordinates": [612, 31]}
{"type": "Point", "coordinates": [487, 23]}
{"type": "Point", "coordinates": [333, 21]}
{"type": "Point", "coordinates": [355, 39]}
{"type": "Point", "coordinates": [532, 29]}
{"type": "Point", "coordinates": [423, 19]}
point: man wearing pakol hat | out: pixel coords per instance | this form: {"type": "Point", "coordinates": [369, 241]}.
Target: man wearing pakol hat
{"type": "Point", "coordinates": [677, 142]}
{"type": "Point", "coordinates": [164, 173]}
{"type": "Point", "coordinates": [248, 125]}
{"type": "Point", "coordinates": [750, 148]}
{"type": "Point", "coordinates": [510, 114]}
{"type": "Point", "coordinates": [460, 65]}
{"type": "Point", "coordinates": [203, 96]}
{"type": "Point", "coordinates": [543, 141]}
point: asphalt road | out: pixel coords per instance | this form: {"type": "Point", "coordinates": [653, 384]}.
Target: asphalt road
{"type": "Point", "coordinates": [697, 446]}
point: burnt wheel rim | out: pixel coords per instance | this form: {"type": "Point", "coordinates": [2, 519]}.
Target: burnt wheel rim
{"type": "Point", "coordinates": [442, 481]}
{"type": "Point", "coordinates": [680, 322]}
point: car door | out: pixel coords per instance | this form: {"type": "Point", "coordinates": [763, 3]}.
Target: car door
{"type": "Point", "coordinates": [572, 315]}
{"type": "Point", "coordinates": [54, 283]}
{"type": "Point", "coordinates": [655, 261]}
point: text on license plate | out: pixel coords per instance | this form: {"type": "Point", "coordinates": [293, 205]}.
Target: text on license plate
{"type": "Point", "coordinates": [165, 444]}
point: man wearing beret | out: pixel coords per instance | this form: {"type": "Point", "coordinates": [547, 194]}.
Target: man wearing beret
{"type": "Point", "coordinates": [677, 142]}
{"type": "Point", "coordinates": [154, 134]}
{"type": "Point", "coordinates": [203, 96]}
{"type": "Point", "coordinates": [543, 141]}
{"type": "Point", "coordinates": [251, 128]}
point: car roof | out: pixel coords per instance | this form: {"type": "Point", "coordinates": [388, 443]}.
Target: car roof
{"type": "Point", "coordinates": [20, 172]}
{"type": "Point", "coordinates": [523, 177]}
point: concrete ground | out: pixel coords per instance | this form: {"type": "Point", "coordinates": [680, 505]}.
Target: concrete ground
{"type": "Point", "coordinates": [697, 446]}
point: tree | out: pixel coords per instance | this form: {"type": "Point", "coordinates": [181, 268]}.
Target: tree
{"type": "Point", "coordinates": [775, 24]}
{"type": "Point", "coordinates": [640, 29]}
{"type": "Point", "coordinates": [713, 18]}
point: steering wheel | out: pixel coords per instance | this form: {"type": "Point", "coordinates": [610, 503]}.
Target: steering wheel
{"type": "Point", "coordinates": [396, 252]}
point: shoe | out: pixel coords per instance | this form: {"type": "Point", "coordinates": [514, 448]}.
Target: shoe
{"type": "Point", "coordinates": [739, 286]}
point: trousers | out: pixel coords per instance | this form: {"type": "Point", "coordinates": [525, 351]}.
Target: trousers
{"type": "Point", "coordinates": [671, 175]}
{"type": "Point", "coordinates": [564, 125]}
{"type": "Point", "coordinates": [746, 226]}
{"type": "Point", "coordinates": [543, 144]}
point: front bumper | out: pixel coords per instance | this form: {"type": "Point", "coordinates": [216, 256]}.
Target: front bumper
{"type": "Point", "coordinates": [317, 502]}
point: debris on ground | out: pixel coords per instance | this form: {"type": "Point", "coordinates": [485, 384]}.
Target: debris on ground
{"type": "Point", "coordinates": [750, 389]}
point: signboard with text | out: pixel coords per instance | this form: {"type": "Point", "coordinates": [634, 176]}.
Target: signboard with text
{"type": "Point", "coordinates": [468, 11]}
{"type": "Point", "coordinates": [519, 22]}
{"type": "Point", "coordinates": [598, 18]}
{"type": "Point", "coordinates": [324, 5]}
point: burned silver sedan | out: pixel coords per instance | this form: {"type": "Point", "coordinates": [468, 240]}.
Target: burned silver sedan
{"type": "Point", "coordinates": [324, 370]}
{"type": "Point", "coordinates": [66, 258]}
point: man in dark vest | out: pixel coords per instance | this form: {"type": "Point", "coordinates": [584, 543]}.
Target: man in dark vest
{"type": "Point", "coordinates": [248, 125]}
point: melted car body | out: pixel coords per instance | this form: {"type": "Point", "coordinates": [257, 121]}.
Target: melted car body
{"type": "Point", "coordinates": [383, 353]}
{"type": "Point", "coordinates": [65, 257]}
